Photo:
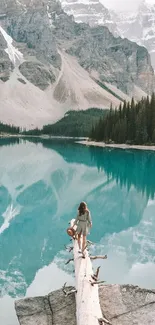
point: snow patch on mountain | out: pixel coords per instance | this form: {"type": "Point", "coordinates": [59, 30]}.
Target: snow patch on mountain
{"type": "Point", "coordinates": [49, 15]}
{"type": "Point", "coordinates": [16, 57]}
{"type": "Point", "coordinates": [139, 27]}
{"type": "Point", "coordinates": [92, 12]}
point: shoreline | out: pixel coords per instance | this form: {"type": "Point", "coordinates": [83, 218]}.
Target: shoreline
{"type": "Point", "coordinates": [116, 146]}
{"type": "Point", "coordinates": [82, 140]}
{"type": "Point", "coordinates": [7, 135]}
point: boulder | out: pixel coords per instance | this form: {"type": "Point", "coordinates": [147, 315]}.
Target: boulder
{"type": "Point", "coordinates": [120, 304]}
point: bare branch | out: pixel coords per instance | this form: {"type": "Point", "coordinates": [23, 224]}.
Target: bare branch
{"type": "Point", "coordinates": [95, 276]}
{"type": "Point", "coordinates": [97, 271]}
{"type": "Point", "coordinates": [70, 260]}
{"type": "Point", "coordinates": [103, 320]}
{"type": "Point", "coordinates": [63, 288]}
{"type": "Point", "coordinates": [104, 257]}
{"type": "Point", "coordinates": [67, 293]}
{"type": "Point", "coordinates": [90, 242]}
{"type": "Point", "coordinates": [85, 246]}
{"type": "Point", "coordinates": [71, 291]}
{"type": "Point", "coordinates": [96, 282]}
{"type": "Point", "coordinates": [68, 248]}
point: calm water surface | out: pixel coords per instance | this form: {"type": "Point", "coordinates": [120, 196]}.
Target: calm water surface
{"type": "Point", "coordinates": [41, 184]}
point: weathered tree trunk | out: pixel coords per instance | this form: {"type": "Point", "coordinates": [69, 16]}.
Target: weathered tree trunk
{"type": "Point", "coordinates": [88, 311]}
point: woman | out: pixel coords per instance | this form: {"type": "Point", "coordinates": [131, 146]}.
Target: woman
{"type": "Point", "coordinates": [83, 222]}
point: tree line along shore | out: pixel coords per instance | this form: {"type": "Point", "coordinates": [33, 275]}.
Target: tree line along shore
{"type": "Point", "coordinates": [133, 123]}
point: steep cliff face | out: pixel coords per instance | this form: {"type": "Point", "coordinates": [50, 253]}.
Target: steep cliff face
{"type": "Point", "coordinates": [53, 53]}
{"type": "Point", "coordinates": [119, 62]}
{"type": "Point", "coordinates": [139, 26]}
{"type": "Point", "coordinates": [91, 12]}
{"type": "Point", "coordinates": [6, 65]}
{"type": "Point", "coordinates": [44, 27]}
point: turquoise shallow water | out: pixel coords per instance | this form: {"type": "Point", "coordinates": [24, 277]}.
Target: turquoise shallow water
{"type": "Point", "coordinates": [41, 185]}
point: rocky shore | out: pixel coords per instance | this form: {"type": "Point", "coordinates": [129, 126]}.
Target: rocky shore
{"type": "Point", "coordinates": [120, 304]}
{"type": "Point", "coordinates": [114, 145]}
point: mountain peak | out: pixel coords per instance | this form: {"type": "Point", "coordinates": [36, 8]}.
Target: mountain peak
{"type": "Point", "coordinates": [147, 4]}
{"type": "Point", "coordinates": [91, 12]}
{"type": "Point", "coordinates": [65, 65]}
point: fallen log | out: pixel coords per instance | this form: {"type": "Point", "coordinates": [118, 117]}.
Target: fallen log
{"type": "Point", "coordinates": [88, 310]}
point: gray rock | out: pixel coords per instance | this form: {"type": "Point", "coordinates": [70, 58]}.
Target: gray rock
{"type": "Point", "coordinates": [38, 74]}
{"type": "Point", "coordinates": [34, 30]}
{"type": "Point", "coordinates": [139, 26]}
{"type": "Point", "coordinates": [60, 313]}
{"type": "Point", "coordinates": [22, 81]}
{"type": "Point", "coordinates": [5, 64]}
{"type": "Point", "coordinates": [121, 305]}
{"type": "Point", "coordinates": [44, 28]}
{"type": "Point", "coordinates": [127, 304]}
{"type": "Point", "coordinates": [33, 311]}
{"type": "Point", "coordinates": [92, 12]}
{"type": "Point", "coordinates": [53, 309]}
{"type": "Point", "coordinates": [117, 61]}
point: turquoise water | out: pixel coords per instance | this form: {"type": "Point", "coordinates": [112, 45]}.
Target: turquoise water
{"type": "Point", "coordinates": [41, 185]}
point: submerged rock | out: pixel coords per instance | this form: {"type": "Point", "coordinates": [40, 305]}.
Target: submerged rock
{"type": "Point", "coordinates": [120, 304]}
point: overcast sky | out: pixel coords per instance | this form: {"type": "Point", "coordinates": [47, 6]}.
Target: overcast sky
{"type": "Point", "coordinates": [124, 5]}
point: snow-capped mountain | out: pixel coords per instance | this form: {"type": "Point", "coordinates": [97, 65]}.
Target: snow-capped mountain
{"type": "Point", "coordinates": [139, 26]}
{"type": "Point", "coordinates": [49, 63]}
{"type": "Point", "coordinates": [91, 12]}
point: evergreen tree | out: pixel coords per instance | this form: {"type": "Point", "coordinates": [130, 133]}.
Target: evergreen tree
{"type": "Point", "coordinates": [131, 123]}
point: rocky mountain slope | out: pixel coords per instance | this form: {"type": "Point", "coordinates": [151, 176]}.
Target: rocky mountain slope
{"type": "Point", "coordinates": [140, 27]}
{"type": "Point", "coordinates": [121, 305]}
{"type": "Point", "coordinates": [50, 64]}
{"type": "Point", "coordinates": [91, 12]}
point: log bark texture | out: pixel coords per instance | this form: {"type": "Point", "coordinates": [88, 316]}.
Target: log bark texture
{"type": "Point", "coordinates": [88, 310]}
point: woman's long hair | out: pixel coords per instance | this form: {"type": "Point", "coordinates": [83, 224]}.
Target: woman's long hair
{"type": "Point", "coordinates": [82, 208]}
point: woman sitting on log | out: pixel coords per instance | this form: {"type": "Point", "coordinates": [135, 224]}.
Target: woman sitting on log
{"type": "Point", "coordinates": [83, 222]}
